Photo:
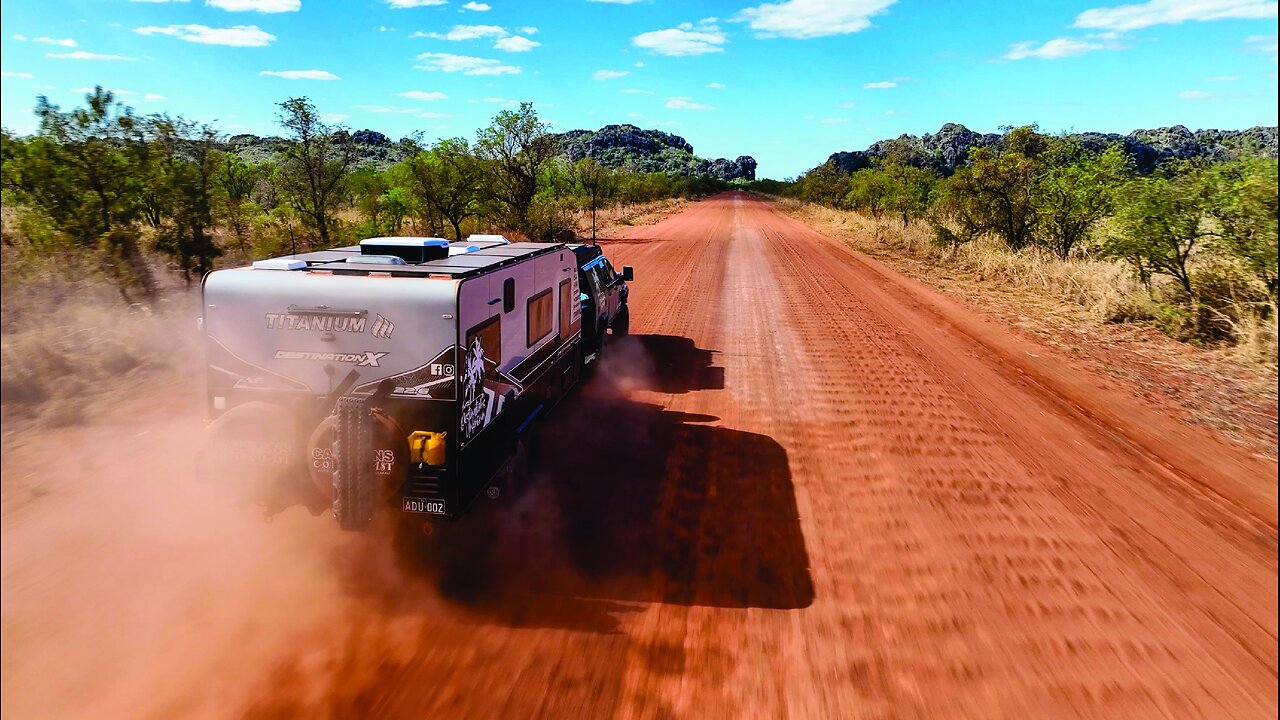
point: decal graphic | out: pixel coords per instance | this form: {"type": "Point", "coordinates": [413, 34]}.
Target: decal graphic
{"type": "Point", "coordinates": [474, 402]}
{"type": "Point", "coordinates": [243, 374]}
{"type": "Point", "coordinates": [432, 381]}
{"type": "Point", "coordinates": [485, 390]}
{"type": "Point", "coordinates": [320, 322]}
{"type": "Point", "coordinates": [382, 328]}
{"type": "Point", "coordinates": [365, 358]}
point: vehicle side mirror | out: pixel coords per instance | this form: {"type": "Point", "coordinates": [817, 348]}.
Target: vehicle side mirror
{"type": "Point", "coordinates": [628, 273]}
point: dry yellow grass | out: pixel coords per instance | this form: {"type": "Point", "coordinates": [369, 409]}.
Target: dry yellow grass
{"type": "Point", "coordinates": [1106, 290]}
{"type": "Point", "coordinates": [68, 340]}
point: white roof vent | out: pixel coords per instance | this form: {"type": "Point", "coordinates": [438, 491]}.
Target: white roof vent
{"type": "Point", "coordinates": [488, 238]}
{"type": "Point", "coordinates": [409, 249]}
{"type": "Point", "coordinates": [461, 249]}
{"type": "Point", "coordinates": [279, 264]}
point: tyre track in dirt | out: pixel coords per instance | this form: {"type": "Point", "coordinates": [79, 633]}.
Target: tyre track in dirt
{"type": "Point", "coordinates": [1063, 566]}
{"type": "Point", "coordinates": [807, 487]}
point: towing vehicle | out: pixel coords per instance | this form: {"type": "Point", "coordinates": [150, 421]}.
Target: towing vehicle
{"type": "Point", "coordinates": [400, 372]}
{"type": "Point", "coordinates": [604, 301]}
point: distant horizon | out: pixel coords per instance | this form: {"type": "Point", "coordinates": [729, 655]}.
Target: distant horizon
{"type": "Point", "coordinates": [788, 83]}
{"type": "Point", "coordinates": [279, 134]}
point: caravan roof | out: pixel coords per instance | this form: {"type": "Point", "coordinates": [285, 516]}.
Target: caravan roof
{"type": "Point", "coordinates": [339, 261]}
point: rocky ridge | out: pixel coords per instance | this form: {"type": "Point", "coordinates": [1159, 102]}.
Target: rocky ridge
{"type": "Point", "coordinates": [650, 151]}
{"type": "Point", "coordinates": [612, 146]}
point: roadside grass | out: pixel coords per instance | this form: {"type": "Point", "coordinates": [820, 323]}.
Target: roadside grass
{"type": "Point", "coordinates": [68, 340]}
{"type": "Point", "coordinates": [631, 214]}
{"type": "Point", "coordinates": [1106, 291]}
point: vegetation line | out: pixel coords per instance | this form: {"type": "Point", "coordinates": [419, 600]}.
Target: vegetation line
{"type": "Point", "coordinates": [1197, 237]}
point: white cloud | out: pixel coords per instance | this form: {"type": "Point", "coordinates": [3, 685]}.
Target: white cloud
{"type": "Point", "coordinates": [1222, 78]}
{"type": "Point", "coordinates": [639, 63]}
{"type": "Point", "coordinates": [64, 42]}
{"type": "Point", "coordinates": [528, 30]}
{"type": "Point", "coordinates": [113, 91]}
{"type": "Point", "coordinates": [1172, 12]}
{"type": "Point", "coordinates": [262, 6]}
{"type": "Point", "coordinates": [504, 102]}
{"type": "Point", "coordinates": [505, 40]}
{"type": "Point", "coordinates": [153, 97]}
{"type": "Point", "coordinates": [22, 75]}
{"type": "Point", "coordinates": [636, 91]}
{"type": "Point", "coordinates": [424, 96]}
{"type": "Point", "coordinates": [715, 85]}
{"type": "Point", "coordinates": [684, 103]}
{"type": "Point", "coordinates": [301, 74]}
{"type": "Point", "coordinates": [1061, 48]}
{"type": "Point", "coordinates": [236, 36]}
{"type": "Point", "coordinates": [834, 121]}
{"type": "Point", "coordinates": [477, 7]}
{"type": "Point", "coordinates": [82, 55]}
{"type": "Point", "coordinates": [684, 39]}
{"type": "Point", "coordinates": [616, 2]}
{"type": "Point", "coordinates": [515, 43]}
{"type": "Point", "coordinates": [1265, 44]}
{"type": "Point", "coordinates": [20, 38]}
{"type": "Point", "coordinates": [384, 28]}
{"type": "Point", "coordinates": [158, 1]}
{"type": "Point", "coordinates": [466, 32]}
{"type": "Point", "coordinates": [402, 4]}
{"type": "Point", "coordinates": [811, 18]}
{"type": "Point", "coordinates": [465, 64]}
{"type": "Point", "coordinates": [882, 85]}
{"type": "Point", "coordinates": [1195, 95]}
{"type": "Point", "coordinates": [609, 74]}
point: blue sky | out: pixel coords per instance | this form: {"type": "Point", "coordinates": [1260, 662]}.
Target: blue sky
{"type": "Point", "coordinates": [788, 82]}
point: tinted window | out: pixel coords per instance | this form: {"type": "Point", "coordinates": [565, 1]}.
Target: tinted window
{"type": "Point", "coordinates": [489, 333]}
{"type": "Point", "coordinates": [593, 282]}
{"type": "Point", "coordinates": [538, 317]}
{"type": "Point", "coordinates": [604, 278]}
{"type": "Point", "coordinates": [508, 295]}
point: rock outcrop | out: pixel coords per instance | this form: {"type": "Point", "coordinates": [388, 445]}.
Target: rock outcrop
{"type": "Point", "coordinates": [650, 151]}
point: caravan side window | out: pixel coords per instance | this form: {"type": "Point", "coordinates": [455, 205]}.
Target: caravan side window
{"type": "Point", "coordinates": [538, 315]}
{"type": "Point", "coordinates": [489, 333]}
{"type": "Point", "coordinates": [508, 295]}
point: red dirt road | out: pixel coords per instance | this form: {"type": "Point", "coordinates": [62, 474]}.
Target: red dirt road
{"type": "Point", "coordinates": [806, 487]}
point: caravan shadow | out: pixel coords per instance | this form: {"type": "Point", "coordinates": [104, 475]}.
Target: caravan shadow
{"type": "Point", "coordinates": [630, 502]}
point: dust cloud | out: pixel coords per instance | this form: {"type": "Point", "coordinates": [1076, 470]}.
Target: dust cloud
{"type": "Point", "coordinates": [133, 589]}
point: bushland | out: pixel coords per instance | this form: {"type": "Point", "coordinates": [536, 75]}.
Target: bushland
{"type": "Point", "coordinates": [1189, 247]}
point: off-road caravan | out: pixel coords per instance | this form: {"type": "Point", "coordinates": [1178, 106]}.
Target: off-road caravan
{"type": "Point", "coordinates": [399, 372]}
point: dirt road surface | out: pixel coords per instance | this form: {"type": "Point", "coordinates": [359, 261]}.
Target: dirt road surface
{"type": "Point", "coordinates": [805, 487]}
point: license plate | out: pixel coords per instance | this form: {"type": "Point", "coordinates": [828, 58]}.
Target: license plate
{"type": "Point", "coordinates": [432, 507]}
